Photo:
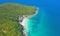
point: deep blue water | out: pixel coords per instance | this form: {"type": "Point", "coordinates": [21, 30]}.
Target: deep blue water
{"type": "Point", "coordinates": [47, 21]}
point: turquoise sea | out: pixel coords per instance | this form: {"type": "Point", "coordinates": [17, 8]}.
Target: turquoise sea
{"type": "Point", "coordinates": [47, 21]}
{"type": "Point", "coordinates": [38, 25]}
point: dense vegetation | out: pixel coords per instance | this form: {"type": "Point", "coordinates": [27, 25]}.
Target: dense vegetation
{"type": "Point", "coordinates": [9, 18]}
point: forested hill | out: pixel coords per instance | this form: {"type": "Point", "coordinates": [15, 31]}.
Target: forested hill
{"type": "Point", "coordinates": [9, 13]}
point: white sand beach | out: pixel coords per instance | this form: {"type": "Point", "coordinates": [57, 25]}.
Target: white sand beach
{"type": "Point", "coordinates": [25, 21]}
{"type": "Point", "coordinates": [25, 25]}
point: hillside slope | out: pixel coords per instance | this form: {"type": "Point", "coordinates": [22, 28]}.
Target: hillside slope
{"type": "Point", "coordinates": [9, 13]}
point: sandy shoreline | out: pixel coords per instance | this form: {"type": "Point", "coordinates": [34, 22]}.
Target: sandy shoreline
{"type": "Point", "coordinates": [24, 22]}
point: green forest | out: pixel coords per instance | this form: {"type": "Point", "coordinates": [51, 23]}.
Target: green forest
{"type": "Point", "coordinates": [9, 13]}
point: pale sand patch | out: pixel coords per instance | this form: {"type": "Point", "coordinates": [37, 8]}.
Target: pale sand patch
{"type": "Point", "coordinates": [25, 26]}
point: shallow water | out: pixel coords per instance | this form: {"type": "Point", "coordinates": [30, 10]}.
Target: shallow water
{"type": "Point", "coordinates": [36, 25]}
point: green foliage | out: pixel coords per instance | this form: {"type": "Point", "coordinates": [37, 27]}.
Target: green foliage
{"type": "Point", "coordinates": [9, 17]}
{"type": "Point", "coordinates": [18, 9]}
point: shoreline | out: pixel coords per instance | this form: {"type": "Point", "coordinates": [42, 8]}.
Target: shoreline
{"type": "Point", "coordinates": [24, 25]}
{"type": "Point", "coordinates": [24, 22]}
{"type": "Point", "coordinates": [36, 12]}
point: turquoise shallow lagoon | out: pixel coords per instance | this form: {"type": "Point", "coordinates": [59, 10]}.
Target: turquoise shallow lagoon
{"type": "Point", "coordinates": [37, 25]}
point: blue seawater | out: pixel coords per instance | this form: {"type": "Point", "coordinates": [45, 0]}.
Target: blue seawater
{"type": "Point", "coordinates": [47, 21]}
